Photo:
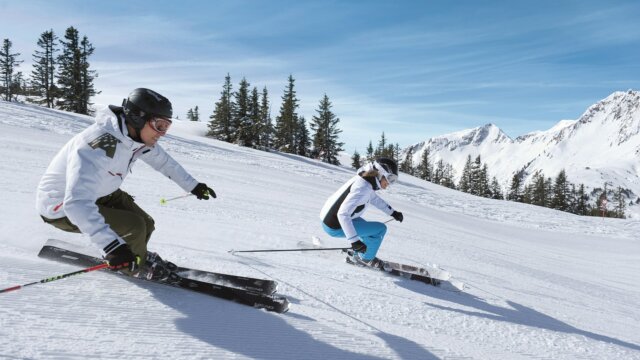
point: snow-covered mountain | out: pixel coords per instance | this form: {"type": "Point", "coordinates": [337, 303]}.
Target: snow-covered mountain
{"type": "Point", "coordinates": [542, 284]}
{"type": "Point", "coordinates": [603, 145]}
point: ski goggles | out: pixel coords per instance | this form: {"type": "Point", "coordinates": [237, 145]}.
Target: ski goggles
{"type": "Point", "coordinates": [160, 125]}
{"type": "Point", "coordinates": [391, 177]}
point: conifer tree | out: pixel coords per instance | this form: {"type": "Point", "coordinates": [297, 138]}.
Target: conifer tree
{"type": "Point", "coordinates": [425, 168]}
{"type": "Point", "coordinates": [287, 121]}
{"type": "Point", "coordinates": [515, 189]}
{"type": "Point", "coordinates": [265, 138]}
{"type": "Point", "coordinates": [382, 149]}
{"type": "Point", "coordinates": [448, 174]}
{"type": "Point", "coordinates": [324, 125]}
{"type": "Point", "coordinates": [496, 191]}
{"type": "Point", "coordinates": [355, 160]}
{"type": "Point", "coordinates": [438, 173]}
{"type": "Point", "coordinates": [8, 63]}
{"type": "Point", "coordinates": [254, 118]}
{"type": "Point", "coordinates": [302, 138]}
{"type": "Point", "coordinates": [407, 165]}
{"type": "Point", "coordinates": [466, 180]}
{"type": "Point", "coordinates": [190, 116]}
{"type": "Point", "coordinates": [539, 193]}
{"type": "Point", "coordinates": [241, 119]}
{"type": "Point", "coordinates": [561, 194]}
{"type": "Point", "coordinates": [370, 152]}
{"type": "Point", "coordinates": [44, 69]}
{"type": "Point", "coordinates": [484, 187]}
{"type": "Point", "coordinates": [619, 202]}
{"type": "Point", "coordinates": [196, 114]}
{"type": "Point", "coordinates": [220, 123]}
{"type": "Point", "coordinates": [75, 79]}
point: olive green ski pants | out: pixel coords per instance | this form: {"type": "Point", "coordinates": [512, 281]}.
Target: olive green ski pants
{"type": "Point", "coordinates": [124, 217]}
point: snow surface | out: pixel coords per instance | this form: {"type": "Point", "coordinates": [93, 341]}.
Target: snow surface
{"type": "Point", "coordinates": [542, 284]}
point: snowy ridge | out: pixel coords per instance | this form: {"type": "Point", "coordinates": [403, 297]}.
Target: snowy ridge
{"type": "Point", "coordinates": [603, 145]}
{"type": "Point", "coordinates": [543, 284]}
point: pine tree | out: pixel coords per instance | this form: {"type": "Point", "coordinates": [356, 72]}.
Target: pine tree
{"type": "Point", "coordinates": [448, 174]}
{"type": "Point", "coordinates": [75, 79]}
{"type": "Point", "coordinates": [326, 146]}
{"type": "Point", "coordinates": [44, 69]}
{"type": "Point", "coordinates": [425, 168]}
{"type": "Point", "coordinates": [539, 195]}
{"type": "Point", "coordinates": [438, 173]}
{"type": "Point", "coordinates": [466, 180]}
{"type": "Point", "coordinates": [287, 121]}
{"type": "Point", "coordinates": [475, 177]}
{"type": "Point", "coordinates": [407, 165]}
{"type": "Point", "coordinates": [265, 131]}
{"type": "Point", "coordinates": [370, 152]}
{"type": "Point", "coordinates": [302, 138]}
{"type": "Point", "coordinates": [581, 201]}
{"type": "Point", "coordinates": [254, 116]}
{"type": "Point", "coordinates": [561, 194]}
{"type": "Point", "coordinates": [220, 123]}
{"type": "Point", "coordinates": [396, 152]}
{"type": "Point", "coordinates": [8, 63]}
{"type": "Point", "coordinates": [620, 202]}
{"type": "Point", "coordinates": [382, 150]}
{"type": "Point", "coordinates": [496, 191]}
{"type": "Point", "coordinates": [355, 160]}
{"type": "Point", "coordinates": [241, 117]}
{"type": "Point", "coordinates": [484, 187]}
{"type": "Point", "coordinates": [196, 114]}
{"type": "Point", "coordinates": [190, 116]}
{"type": "Point", "coordinates": [515, 189]}
{"type": "Point", "coordinates": [87, 75]}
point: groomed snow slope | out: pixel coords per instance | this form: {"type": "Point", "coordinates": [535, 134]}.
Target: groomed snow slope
{"type": "Point", "coordinates": [542, 284]}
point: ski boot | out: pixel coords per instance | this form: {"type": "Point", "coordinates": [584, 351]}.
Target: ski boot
{"type": "Point", "coordinates": [156, 269]}
{"type": "Point", "coordinates": [355, 258]}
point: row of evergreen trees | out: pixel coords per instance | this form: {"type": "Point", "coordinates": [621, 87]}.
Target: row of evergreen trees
{"type": "Point", "coordinates": [244, 117]}
{"type": "Point", "coordinates": [61, 76]}
{"type": "Point", "coordinates": [558, 193]}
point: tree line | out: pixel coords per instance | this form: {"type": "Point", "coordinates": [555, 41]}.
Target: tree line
{"type": "Point", "coordinates": [558, 193]}
{"type": "Point", "coordinates": [61, 77]}
{"type": "Point", "coordinates": [243, 117]}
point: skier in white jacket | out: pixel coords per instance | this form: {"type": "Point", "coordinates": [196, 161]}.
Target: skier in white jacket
{"type": "Point", "coordinates": [341, 213]}
{"type": "Point", "coordinates": [80, 190]}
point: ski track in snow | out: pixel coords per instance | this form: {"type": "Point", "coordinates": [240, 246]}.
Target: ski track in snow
{"type": "Point", "coordinates": [542, 284]}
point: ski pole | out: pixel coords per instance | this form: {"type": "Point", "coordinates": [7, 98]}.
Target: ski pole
{"type": "Point", "coordinates": [93, 268]}
{"type": "Point", "coordinates": [164, 201]}
{"type": "Point", "coordinates": [278, 250]}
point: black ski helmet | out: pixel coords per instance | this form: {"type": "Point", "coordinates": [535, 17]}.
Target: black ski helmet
{"type": "Point", "coordinates": [143, 104]}
{"type": "Point", "coordinates": [389, 166]}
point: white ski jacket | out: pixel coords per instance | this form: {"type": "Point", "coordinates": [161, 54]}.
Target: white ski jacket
{"type": "Point", "coordinates": [350, 202]}
{"type": "Point", "coordinates": [93, 164]}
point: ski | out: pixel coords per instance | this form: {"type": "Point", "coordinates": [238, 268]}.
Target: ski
{"type": "Point", "coordinates": [276, 303]}
{"type": "Point", "coordinates": [258, 285]}
{"type": "Point", "coordinates": [248, 283]}
{"type": "Point", "coordinates": [435, 277]}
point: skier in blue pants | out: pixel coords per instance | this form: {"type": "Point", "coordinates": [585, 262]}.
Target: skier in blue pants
{"type": "Point", "coordinates": [341, 213]}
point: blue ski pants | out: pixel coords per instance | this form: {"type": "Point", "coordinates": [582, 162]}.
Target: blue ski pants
{"type": "Point", "coordinates": [370, 232]}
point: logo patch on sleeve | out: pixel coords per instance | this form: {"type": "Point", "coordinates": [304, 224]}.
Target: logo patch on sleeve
{"type": "Point", "coordinates": [106, 142]}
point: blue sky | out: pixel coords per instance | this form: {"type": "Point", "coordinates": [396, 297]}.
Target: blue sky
{"type": "Point", "coordinates": [413, 69]}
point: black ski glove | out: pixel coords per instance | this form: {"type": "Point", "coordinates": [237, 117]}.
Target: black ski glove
{"type": "Point", "coordinates": [397, 215]}
{"type": "Point", "coordinates": [359, 246]}
{"type": "Point", "coordinates": [122, 258]}
{"type": "Point", "coordinates": [202, 191]}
